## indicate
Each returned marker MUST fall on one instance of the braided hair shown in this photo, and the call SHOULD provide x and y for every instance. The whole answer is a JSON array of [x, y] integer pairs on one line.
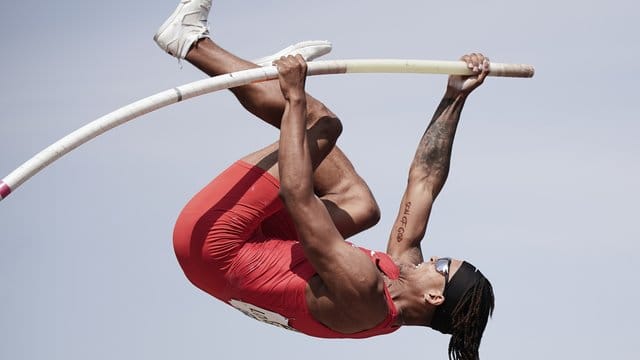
[[469, 319], [469, 302]]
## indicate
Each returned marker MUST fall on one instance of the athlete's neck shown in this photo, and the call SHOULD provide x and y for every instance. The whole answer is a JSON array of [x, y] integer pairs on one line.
[[409, 300]]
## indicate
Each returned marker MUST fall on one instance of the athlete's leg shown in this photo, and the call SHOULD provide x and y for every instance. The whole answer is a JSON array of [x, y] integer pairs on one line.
[[345, 193]]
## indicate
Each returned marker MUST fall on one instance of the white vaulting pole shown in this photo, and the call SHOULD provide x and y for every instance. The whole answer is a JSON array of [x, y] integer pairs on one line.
[[61, 147]]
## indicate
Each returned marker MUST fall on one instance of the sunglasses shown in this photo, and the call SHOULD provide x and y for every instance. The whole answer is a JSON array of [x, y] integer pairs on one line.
[[442, 266]]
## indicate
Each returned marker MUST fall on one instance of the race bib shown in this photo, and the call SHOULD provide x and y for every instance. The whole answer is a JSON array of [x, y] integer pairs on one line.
[[261, 314]]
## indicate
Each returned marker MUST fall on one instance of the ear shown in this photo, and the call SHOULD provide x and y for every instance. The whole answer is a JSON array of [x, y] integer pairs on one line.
[[434, 298]]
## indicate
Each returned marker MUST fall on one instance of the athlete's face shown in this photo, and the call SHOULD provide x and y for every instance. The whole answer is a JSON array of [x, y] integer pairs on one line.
[[436, 272]]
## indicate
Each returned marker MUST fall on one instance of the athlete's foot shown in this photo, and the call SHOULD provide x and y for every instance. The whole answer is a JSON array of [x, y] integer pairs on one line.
[[308, 49], [184, 27]]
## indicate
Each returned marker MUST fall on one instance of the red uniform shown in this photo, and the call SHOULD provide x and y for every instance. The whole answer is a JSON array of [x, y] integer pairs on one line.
[[236, 241]]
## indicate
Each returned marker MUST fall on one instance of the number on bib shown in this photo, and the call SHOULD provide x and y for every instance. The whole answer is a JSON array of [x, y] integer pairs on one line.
[[261, 314]]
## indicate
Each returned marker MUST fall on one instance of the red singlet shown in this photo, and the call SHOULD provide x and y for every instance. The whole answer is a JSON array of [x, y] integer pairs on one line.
[[236, 241]]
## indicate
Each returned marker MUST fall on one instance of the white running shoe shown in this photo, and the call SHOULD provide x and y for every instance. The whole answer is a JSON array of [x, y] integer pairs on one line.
[[186, 25], [308, 49]]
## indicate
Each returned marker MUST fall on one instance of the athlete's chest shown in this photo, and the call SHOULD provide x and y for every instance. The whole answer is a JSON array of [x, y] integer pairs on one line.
[[346, 318]]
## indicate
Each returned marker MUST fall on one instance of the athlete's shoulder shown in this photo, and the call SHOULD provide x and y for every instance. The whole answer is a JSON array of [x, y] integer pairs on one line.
[[384, 262]]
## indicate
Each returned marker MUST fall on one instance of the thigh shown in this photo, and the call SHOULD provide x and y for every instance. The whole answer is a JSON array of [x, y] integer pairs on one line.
[[345, 194], [219, 220], [265, 159]]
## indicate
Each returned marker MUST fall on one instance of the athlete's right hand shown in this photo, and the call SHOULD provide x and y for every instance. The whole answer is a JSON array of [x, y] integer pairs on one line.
[[479, 65], [292, 74]]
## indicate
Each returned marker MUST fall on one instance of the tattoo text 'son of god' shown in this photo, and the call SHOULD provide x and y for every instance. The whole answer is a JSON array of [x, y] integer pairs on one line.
[[403, 222]]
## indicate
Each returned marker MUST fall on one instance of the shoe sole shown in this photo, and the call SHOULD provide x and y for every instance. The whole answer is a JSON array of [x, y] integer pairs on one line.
[[323, 46]]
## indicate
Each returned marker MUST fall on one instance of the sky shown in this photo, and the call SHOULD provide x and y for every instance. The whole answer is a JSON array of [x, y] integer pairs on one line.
[[542, 195]]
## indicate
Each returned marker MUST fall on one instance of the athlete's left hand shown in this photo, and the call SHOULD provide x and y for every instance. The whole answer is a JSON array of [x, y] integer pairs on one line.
[[292, 74]]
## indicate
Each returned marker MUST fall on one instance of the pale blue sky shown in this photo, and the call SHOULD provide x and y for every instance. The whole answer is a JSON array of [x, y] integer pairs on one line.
[[542, 194]]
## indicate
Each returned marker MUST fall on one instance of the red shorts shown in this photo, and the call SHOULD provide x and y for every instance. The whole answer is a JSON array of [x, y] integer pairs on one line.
[[236, 233]]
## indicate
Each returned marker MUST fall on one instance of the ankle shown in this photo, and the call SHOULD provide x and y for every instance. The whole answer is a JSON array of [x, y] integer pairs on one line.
[[198, 48]]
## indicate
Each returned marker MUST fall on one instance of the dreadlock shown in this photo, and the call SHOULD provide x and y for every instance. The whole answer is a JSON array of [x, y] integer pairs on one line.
[[469, 319]]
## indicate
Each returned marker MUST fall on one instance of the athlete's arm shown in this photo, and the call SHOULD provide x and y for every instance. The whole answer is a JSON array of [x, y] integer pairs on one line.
[[430, 166], [347, 273]]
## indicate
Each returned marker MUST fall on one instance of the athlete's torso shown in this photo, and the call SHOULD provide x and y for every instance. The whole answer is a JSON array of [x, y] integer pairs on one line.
[[364, 314], [270, 281]]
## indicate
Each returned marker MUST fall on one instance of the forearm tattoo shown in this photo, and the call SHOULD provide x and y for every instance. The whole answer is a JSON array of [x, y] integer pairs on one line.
[[403, 222], [434, 151]]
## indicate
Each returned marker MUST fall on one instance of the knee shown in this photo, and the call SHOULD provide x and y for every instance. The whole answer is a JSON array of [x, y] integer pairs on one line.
[[328, 127], [317, 110], [318, 115]]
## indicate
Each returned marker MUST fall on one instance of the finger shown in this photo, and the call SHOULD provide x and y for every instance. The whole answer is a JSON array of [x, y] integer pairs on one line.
[[282, 64], [486, 66], [467, 59], [279, 61], [285, 59], [298, 60], [302, 63], [293, 62], [483, 68], [480, 58], [475, 61]]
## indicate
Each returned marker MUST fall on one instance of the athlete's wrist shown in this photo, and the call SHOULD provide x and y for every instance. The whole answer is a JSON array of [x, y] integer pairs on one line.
[[455, 94], [297, 99]]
